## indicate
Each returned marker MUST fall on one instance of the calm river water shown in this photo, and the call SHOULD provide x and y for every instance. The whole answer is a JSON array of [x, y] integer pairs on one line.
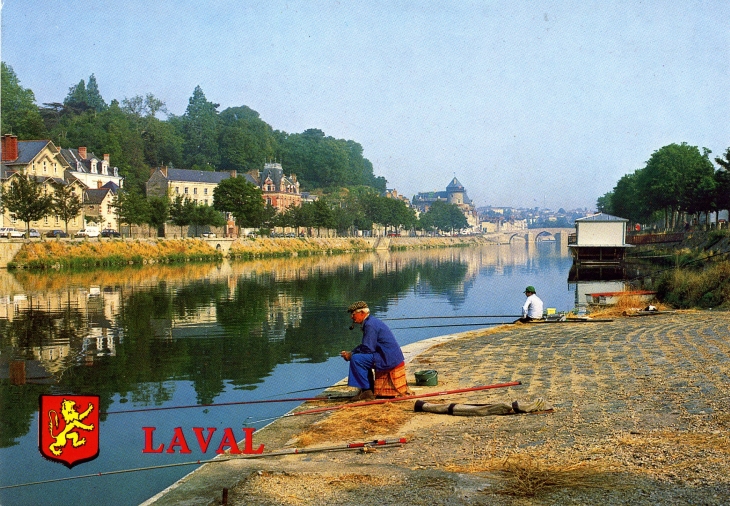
[[161, 336]]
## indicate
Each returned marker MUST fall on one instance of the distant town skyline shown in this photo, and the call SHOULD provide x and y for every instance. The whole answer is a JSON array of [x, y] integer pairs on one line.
[[549, 103]]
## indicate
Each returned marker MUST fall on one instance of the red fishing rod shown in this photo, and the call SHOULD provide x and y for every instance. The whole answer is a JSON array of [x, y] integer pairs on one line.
[[406, 398]]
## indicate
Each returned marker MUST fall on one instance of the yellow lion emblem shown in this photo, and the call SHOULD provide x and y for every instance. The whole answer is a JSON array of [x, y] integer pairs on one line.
[[73, 421]]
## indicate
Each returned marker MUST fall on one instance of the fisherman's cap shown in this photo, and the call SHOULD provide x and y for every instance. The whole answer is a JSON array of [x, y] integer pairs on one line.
[[356, 306], [530, 289]]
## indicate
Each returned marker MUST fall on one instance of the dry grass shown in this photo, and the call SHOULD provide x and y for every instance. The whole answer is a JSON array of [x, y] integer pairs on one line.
[[356, 424], [625, 305], [522, 475]]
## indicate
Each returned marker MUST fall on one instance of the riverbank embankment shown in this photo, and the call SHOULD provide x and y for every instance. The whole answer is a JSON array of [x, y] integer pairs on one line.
[[102, 252], [640, 417]]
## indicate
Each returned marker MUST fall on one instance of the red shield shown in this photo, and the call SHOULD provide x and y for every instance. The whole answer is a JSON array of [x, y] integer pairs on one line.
[[68, 428]]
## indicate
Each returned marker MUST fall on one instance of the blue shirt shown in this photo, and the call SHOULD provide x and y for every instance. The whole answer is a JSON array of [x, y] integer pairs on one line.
[[378, 339]]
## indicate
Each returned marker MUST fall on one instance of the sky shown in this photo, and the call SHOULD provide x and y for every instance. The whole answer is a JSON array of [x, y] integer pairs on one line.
[[526, 103]]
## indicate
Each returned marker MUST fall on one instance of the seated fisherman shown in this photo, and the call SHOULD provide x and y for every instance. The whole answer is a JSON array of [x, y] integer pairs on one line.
[[379, 350], [532, 309]]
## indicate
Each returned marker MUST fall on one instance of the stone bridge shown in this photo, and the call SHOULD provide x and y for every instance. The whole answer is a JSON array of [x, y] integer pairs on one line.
[[532, 235], [222, 244]]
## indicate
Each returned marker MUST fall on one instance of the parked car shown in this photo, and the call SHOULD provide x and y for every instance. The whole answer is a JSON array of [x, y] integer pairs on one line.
[[88, 232], [10, 232], [110, 232], [393, 234], [33, 233], [251, 235], [56, 232], [208, 234]]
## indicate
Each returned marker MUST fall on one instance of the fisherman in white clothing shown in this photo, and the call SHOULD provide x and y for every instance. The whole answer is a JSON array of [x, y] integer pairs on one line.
[[532, 309]]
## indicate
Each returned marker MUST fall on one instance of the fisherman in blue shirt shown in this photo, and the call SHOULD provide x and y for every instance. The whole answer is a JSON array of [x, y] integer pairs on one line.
[[379, 350]]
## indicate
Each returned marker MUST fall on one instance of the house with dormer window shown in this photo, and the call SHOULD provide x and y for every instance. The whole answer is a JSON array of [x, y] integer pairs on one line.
[[279, 190], [89, 169]]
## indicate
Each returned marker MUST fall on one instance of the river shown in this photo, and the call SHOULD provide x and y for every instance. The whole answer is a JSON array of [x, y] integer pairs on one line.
[[169, 336]]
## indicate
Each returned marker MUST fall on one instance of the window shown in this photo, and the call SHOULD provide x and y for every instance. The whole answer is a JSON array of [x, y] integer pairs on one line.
[[205, 192], [186, 190], [45, 220], [45, 169], [195, 191], [57, 220], [177, 190]]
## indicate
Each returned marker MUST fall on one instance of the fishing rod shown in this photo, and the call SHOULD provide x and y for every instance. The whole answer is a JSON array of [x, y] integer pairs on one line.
[[290, 451], [259, 401], [453, 316], [451, 325], [405, 398]]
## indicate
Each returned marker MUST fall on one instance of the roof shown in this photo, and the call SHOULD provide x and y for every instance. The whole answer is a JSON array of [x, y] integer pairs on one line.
[[96, 196], [27, 150], [601, 217], [455, 185], [196, 176]]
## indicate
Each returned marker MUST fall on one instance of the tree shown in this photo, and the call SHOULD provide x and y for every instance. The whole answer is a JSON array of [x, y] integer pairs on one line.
[[159, 211], [65, 203], [240, 198], [26, 199], [181, 212], [603, 204], [20, 114], [445, 216], [204, 215], [93, 97], [672, 178], [132, 207], [200, 132]]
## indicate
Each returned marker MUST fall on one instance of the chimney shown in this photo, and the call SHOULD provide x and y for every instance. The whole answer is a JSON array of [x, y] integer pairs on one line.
[[82, 152], [106, 157], [234, 174], [9, 148], [98, 185], [163, 169]]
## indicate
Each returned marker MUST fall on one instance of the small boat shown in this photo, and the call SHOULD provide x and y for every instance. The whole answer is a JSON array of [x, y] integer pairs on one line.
[[611, 298]]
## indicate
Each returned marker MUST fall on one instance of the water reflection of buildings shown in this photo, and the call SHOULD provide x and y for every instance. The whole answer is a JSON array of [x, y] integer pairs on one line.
[[59, 350]]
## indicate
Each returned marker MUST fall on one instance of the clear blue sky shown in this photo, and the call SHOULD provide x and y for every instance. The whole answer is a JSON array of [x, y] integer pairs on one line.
[[526, 103]]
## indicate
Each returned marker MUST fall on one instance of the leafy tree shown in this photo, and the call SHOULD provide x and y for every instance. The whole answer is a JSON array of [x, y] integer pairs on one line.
[[132, 207], [240, 198], [722, 189], [603, 204], [20, 115], [159, 211], [672, 178], [93, 97], [65, 203], [323, 217], [200, 132], [26, 199], [626, 200], [204, 215], [181, 212], [446, 216], [246, 141]]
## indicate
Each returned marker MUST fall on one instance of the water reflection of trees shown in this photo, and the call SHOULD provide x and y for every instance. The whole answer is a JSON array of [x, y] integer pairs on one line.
[[213, 326]]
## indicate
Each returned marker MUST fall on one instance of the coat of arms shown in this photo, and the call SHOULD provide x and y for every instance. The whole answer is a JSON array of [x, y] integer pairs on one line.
[[68, 428]]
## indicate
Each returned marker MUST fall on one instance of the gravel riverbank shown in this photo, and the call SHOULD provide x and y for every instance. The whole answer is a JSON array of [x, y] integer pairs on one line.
[[640, 417]]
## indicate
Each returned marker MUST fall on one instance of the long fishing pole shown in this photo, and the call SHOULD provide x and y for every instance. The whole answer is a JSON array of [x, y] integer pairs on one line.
[[451, 325], [259, 401], [289, 451], [452, 316], [405, 398]]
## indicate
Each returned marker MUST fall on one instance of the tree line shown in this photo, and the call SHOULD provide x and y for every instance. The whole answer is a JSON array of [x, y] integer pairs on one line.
[[202, 138], [350, 196], [677, 184]]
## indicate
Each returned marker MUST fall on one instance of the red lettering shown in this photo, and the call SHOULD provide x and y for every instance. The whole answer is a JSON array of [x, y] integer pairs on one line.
[[203, 442], [178, 439], [228, 440], [148, 441], [248, 448]]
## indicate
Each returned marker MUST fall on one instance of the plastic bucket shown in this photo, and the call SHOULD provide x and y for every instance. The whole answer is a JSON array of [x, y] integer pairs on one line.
[[427, 378]]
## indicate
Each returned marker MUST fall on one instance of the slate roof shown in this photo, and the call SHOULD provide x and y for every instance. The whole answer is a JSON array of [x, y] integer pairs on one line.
[[455, 185], [96, 196], [27, 150], [601, 217], [196, 176]]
